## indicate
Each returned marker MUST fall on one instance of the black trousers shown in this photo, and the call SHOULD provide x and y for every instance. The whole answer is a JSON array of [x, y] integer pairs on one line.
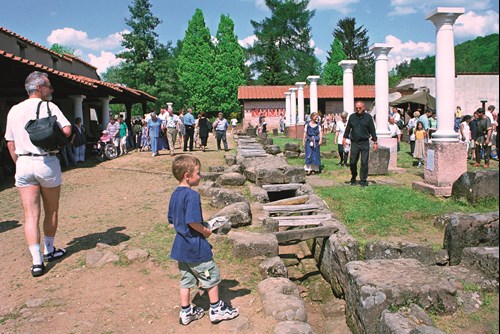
[[360, 149], [189, 136]]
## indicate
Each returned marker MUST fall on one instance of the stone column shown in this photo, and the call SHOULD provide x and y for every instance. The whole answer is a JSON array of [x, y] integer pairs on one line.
[[293, 105], [348, 84], [444, 18], [446, 158], [105, 111], [301, 105], [288, 112], [169, 105], [313, 92], [78, 106], [381, 87]]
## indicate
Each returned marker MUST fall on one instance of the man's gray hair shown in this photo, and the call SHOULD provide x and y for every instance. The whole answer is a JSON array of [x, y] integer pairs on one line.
[[34, 80], [345, 114]]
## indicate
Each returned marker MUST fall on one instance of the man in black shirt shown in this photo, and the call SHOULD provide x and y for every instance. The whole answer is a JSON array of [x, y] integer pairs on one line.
[[359, 128]]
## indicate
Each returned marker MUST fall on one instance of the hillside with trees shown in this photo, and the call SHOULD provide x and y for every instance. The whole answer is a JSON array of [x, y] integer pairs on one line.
[[479, 55]]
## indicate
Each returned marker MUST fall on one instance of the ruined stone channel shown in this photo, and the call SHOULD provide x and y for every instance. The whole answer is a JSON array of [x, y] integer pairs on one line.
[[314, 279]]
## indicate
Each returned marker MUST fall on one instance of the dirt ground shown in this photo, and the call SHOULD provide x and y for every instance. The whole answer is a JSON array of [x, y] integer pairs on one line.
[[121, 203]]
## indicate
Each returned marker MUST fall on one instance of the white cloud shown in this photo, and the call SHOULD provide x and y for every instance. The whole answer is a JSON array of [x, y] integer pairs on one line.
[[472, 25], [404, 7], [317, 51], [342, 6], [248, 41], [103, 61], [261, 4], [407, 50], [80, 39]]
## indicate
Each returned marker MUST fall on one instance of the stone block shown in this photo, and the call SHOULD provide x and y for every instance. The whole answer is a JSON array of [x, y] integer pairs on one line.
[[206, 189], [292, 154], [136, 254], [376, 285], [231, 179], [476, 185], [260, 194], [380, 250], [273, 267], [332, 256], [210, 176], [408, 320], [234, 169], [270, 224], [445, 163], [230, 159], [268, 141], [249, 245], [470, 230], [273, 149], [379, 161], [293, 327], [281, 300], [484, 259], [221, 197], [238, 214], [216, 169], [292, 147], [392, 145]]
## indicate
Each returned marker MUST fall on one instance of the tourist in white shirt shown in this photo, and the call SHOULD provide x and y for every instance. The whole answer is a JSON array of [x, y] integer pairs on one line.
[[394, 130], [339, 135]]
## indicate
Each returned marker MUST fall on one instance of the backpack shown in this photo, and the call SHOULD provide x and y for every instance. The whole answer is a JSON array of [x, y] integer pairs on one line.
[[45, 132]]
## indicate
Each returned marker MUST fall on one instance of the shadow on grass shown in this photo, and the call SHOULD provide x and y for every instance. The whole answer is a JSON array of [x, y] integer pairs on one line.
[[9, 225], [226, 293]]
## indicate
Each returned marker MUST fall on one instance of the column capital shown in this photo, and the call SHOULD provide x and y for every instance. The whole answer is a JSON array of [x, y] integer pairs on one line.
[[381, 50], [444, 15], [313, 78], [105, 98], [288, 94], [293, 90], [300, 85], [77, 97], [347, 64]]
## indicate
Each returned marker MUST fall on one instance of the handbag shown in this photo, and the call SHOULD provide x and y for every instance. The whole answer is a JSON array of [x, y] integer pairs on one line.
[[45, 132]]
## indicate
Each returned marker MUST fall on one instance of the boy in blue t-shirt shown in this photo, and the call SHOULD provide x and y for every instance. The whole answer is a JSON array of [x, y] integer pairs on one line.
[[191, 248]]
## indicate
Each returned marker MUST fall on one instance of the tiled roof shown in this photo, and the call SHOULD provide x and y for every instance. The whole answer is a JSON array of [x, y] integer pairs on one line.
[[278, 92], [24, 39], [83, 80]]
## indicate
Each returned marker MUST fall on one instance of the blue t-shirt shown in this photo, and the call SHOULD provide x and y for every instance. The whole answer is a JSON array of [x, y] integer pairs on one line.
[[189, 245]]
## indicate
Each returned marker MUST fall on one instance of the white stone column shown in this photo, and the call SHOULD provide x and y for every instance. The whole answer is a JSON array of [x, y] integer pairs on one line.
[[169, 105], [313, 92], [444, 18], [301, 105], [348, 84], [382, 87], [78, 106], [293, 105], [288, 112], [105, 111]]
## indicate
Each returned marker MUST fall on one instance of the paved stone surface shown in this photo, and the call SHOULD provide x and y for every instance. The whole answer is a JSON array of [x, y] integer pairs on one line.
[[376, 285]]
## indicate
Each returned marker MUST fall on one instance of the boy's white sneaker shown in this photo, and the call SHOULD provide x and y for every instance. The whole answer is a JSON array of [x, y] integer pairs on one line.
[[223, 312], [194, 313]]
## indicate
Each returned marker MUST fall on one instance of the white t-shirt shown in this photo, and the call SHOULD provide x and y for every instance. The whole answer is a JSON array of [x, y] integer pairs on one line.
[[394, 129], [234, 121], [20, 114], [340, 129]]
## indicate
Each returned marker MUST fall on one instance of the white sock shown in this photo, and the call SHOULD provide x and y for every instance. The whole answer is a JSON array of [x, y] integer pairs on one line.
[[49, 244], [35, 254]]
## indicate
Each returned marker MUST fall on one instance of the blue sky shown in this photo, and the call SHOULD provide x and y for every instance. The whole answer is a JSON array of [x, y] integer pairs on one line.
[[94, 27]]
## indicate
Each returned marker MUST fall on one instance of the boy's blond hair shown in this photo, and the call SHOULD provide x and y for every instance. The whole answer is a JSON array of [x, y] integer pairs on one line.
[[183, 164]]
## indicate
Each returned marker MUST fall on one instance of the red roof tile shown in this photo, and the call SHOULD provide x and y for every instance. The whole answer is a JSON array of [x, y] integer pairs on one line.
[[278, 92]]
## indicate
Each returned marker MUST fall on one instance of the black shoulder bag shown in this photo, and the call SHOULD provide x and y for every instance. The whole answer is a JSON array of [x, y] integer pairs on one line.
[[45, 132]]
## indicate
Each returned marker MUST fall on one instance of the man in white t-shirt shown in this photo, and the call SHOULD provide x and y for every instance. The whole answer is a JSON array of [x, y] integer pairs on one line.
[[234, 122], [38, 172], [339, 136], [394, 130]]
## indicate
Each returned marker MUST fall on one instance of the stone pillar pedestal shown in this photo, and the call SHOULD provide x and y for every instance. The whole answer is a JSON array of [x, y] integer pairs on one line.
[[296, 131], [444, 164], [392, 145]]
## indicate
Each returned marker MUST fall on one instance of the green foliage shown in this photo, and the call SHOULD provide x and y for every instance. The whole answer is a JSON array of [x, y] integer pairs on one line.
[[332, 72], [287, 29], [479, 55], [195, 65], [62, 49], [354, 41], [229, 68], [273, 70]]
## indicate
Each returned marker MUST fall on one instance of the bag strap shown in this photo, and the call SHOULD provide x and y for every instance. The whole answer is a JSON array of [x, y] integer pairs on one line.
[[38, 109]]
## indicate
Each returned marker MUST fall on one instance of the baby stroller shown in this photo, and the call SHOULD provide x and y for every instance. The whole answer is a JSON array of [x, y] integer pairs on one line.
[[105, 147]]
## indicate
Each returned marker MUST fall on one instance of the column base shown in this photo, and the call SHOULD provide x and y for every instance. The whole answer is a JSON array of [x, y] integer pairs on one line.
[[444, 164], [445, 137], [296, 131], [392, 145]]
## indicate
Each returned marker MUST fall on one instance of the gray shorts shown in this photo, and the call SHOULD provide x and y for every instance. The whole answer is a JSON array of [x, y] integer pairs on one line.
[[206, 273], [38, 171]]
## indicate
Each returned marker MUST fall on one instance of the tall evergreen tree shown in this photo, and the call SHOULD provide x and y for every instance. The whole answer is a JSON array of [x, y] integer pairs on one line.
[[289, 27], [354, 41], [229, 67], [332, 72], [273, 73], [195, 65]]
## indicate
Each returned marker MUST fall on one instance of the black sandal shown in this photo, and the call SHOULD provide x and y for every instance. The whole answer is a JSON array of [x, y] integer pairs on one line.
[[56, 254], [37, 270]]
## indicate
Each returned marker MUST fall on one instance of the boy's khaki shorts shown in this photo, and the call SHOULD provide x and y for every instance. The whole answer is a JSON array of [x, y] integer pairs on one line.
[[206, 273]]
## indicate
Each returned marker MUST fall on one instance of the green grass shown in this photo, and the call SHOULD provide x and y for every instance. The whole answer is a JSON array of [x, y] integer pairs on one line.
[[385, 210], [158, 242]]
